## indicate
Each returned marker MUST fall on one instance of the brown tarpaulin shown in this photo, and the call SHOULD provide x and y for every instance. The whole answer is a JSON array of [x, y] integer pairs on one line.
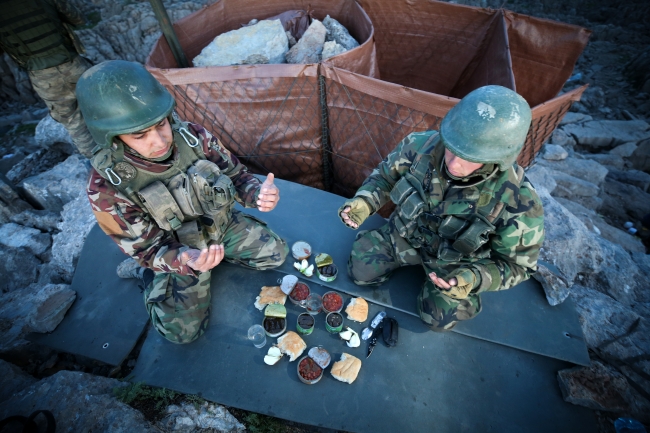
[[328, 125]]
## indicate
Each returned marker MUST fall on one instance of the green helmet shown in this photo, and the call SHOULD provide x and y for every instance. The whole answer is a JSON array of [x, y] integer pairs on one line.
[[120, 97], [489, 125]]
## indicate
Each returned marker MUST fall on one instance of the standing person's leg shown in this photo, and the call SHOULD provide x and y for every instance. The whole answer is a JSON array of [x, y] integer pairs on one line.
[[377, 253], [178, 305], [250, 243], [56, 86], [440, 312]]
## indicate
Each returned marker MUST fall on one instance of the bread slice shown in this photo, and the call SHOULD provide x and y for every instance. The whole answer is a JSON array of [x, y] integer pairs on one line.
[[347, 369], [291, 344], [357, 310], [270, 295]]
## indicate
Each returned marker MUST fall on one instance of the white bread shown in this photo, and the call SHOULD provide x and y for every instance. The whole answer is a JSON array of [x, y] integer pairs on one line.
[[357, 310], [291, 344], [347, 369], [270, 295]]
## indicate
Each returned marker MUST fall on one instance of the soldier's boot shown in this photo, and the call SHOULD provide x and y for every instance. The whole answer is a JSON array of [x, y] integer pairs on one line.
[[129, 268]]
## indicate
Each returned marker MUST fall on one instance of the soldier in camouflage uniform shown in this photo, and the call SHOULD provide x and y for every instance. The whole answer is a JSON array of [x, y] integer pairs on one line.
[[164, 191], [38, 37], [465, 211]]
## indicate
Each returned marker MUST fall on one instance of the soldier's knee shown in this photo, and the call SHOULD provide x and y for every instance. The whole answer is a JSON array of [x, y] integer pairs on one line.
[[363, 274]]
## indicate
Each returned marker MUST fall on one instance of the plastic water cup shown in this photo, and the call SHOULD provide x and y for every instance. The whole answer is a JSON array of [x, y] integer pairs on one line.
[[257, 335], [313, 304]]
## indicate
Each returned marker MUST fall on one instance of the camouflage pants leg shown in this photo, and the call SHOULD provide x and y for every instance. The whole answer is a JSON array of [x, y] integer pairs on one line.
[[56, 86], [178, 305], [249, 242], [440, 312], [377, 253]]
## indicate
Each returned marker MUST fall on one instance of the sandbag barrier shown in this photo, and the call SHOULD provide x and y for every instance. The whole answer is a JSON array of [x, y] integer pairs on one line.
[[328, 125]]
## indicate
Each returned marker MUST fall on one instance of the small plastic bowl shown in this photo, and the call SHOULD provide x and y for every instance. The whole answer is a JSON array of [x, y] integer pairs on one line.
[[301, 250], [328, 294], [307, 381], [284, 328], [301, 302]]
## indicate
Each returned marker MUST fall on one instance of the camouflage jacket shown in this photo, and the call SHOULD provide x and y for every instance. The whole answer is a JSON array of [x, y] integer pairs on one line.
[[510, 255], [136, 232]]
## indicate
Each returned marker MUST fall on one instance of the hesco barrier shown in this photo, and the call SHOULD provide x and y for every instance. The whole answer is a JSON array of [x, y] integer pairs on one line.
[[327, 125]]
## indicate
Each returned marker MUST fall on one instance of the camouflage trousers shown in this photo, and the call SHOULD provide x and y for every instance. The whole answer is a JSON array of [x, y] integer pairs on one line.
[[56, 86], [179, 305], [377, 253]]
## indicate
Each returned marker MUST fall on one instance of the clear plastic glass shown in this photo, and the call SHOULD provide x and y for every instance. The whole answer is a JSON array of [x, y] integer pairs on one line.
[[257, 335], [313, 304]]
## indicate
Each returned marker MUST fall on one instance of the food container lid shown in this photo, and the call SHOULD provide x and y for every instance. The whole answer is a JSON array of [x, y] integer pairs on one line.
[[275, 310], [301, 250], [320, 356], [288, 283], [323, 259]]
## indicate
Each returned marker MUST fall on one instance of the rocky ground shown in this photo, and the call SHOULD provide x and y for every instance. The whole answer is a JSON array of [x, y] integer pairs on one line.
[[593, 177]]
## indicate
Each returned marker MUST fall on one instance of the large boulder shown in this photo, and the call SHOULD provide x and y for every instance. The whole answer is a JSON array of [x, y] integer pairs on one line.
[[571, 117], [624, 150], [43, 220], [38, 162], [623, 202], [640, 179], [541, 177], [189, 417], [80, 402], [10, 202], [49, 131], [77, 220], [607, 160], [18, 267], [12, 380], [606, 134], [336, 32], [641, 156], [16, 236], [585, 169], [264, 42], [310, 46], [571, 186], [554, 152], [59, 185]]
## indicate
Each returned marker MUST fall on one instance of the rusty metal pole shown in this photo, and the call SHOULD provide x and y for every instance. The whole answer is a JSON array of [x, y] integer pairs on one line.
[[168, 31]]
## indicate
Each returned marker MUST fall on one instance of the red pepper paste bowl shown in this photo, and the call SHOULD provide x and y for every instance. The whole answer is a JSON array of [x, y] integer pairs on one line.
[[299, 293], [332, 302]]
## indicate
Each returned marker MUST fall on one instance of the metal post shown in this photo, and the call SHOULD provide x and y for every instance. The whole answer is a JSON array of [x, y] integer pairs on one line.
[[168, 31]]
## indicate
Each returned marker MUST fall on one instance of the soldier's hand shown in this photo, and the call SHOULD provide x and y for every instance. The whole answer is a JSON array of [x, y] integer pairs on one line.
[[203, 260], [354, 212], [269, 195], [459, 284]]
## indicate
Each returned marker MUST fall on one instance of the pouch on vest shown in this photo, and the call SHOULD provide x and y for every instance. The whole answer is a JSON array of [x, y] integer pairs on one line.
[[405, 230], [214, 190], [191, 234], [216, 227], [447, 253], [474, 237], [161, 205], [180, 188], [401, 190], [451, 226]]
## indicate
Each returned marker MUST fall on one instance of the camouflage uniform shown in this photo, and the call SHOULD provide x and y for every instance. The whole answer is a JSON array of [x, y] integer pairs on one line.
[[508, 258], [177, 298], [36, 34]]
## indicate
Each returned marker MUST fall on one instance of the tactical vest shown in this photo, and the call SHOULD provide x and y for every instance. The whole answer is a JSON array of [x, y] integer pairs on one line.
[[33, 35], [449, 230], [192, 198]]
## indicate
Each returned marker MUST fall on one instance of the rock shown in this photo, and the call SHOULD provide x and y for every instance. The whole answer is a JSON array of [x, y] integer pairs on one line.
[[187, 417], [607, 159], [584, 169], [36, 163], [568, 245], [19, 311], [331, 49], [10, 120], [16, 236], [43, 220], [600, 387], [12, 380], [624, 150], [640, 179], [50, 313], [554, 152], [555, 286], [540, 176], [266, 39], [570, 186], [98, 49], [641, 156], [336, 32], [596, 224], [49, 131], [77, 220], [21, 83], [18, 267], [623, 202], [560, 138], [292, 40], [59, 185], [10, 203], [310, 46], [571, 117], [606, 134], [80, 402]]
